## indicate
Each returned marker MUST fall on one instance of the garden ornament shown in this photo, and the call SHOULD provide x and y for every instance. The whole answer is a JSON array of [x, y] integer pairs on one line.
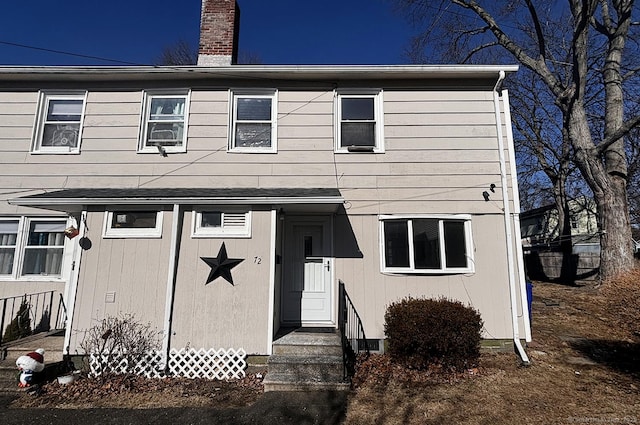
[[29, 364]]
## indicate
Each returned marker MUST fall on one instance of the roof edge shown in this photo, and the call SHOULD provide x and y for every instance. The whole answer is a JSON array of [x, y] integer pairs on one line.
[[295, 72]]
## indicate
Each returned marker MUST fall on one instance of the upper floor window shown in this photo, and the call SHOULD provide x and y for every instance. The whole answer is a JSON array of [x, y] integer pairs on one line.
[[59, 124], [253, 126], [164, 125], [222, 222], [32, 247], [359, 126], [133, 224], [426, 244]]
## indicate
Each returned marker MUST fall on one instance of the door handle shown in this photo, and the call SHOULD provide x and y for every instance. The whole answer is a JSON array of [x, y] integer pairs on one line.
[[328, 266]]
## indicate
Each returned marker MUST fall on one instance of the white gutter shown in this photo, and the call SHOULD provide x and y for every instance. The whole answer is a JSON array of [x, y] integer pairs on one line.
[[507, 224], [274, 72], [171, 278], [73, 284], [516, 218]]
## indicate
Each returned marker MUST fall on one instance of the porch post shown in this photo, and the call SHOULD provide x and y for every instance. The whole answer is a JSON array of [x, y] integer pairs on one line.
[[272, 280], [171, 280]]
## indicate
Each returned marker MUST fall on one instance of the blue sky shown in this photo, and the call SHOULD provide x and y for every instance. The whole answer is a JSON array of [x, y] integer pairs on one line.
[[278, 31]]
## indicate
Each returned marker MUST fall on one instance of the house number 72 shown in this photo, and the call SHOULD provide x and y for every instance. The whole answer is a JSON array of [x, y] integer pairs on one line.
[[257, 260]]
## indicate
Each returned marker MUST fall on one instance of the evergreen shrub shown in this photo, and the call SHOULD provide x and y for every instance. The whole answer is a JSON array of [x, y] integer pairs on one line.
[[424, 332]]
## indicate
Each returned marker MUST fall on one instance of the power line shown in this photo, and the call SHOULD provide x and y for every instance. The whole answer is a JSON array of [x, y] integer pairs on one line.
[[62, 52]]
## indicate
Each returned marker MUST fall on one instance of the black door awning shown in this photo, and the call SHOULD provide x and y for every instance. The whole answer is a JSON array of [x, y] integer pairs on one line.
[[75, 200]]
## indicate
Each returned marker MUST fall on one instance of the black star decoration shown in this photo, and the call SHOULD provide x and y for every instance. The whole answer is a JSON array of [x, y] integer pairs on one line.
[[221, 265]]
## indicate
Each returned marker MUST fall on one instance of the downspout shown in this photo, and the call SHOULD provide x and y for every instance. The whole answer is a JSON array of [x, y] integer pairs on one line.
[[516, 218], [73, 284], [507, 225], [171, 280]]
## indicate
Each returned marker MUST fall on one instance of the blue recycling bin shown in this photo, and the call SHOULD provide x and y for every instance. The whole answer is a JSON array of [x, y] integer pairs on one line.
[[529, 298]]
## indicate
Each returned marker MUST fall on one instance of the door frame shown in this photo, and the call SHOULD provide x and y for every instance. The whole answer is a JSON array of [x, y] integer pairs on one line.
[[327, 221]]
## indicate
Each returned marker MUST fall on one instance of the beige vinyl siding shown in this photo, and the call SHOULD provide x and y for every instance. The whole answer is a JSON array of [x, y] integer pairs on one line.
[[221, 315], [17, 288], [428, 134], [135, 269], [371, 291], [440, 155]]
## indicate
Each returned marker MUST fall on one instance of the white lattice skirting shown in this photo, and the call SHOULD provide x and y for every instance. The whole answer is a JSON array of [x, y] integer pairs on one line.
[[185, 363]]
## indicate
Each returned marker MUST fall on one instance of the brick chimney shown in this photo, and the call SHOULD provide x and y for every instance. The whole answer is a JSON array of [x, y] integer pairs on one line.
[[219, 22]]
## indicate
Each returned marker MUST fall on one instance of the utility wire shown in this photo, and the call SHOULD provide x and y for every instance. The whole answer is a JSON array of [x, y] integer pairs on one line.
[[61, 52]]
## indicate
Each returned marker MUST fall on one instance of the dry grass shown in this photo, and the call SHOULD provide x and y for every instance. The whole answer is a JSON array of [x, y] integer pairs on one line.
[[585, 369], [623, 296]]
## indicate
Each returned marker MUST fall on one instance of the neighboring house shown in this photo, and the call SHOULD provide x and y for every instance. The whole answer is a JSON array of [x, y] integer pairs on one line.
[[540, 231], [310, 175], [543, 243]]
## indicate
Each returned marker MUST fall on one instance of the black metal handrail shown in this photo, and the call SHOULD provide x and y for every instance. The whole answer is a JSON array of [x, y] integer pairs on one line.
[[28, 314], [352, 332], [61, 320]]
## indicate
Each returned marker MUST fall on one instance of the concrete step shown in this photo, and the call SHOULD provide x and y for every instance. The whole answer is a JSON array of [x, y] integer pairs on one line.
[[311, 368], [9, 383], [306, 359], [277, 382], [52, 344], [308, 344]]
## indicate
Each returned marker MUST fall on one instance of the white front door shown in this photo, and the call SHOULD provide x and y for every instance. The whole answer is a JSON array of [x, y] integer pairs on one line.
[[307, 285]]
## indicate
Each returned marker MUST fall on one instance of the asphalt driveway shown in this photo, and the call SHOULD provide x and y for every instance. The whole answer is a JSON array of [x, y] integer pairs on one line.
[[299, 408]]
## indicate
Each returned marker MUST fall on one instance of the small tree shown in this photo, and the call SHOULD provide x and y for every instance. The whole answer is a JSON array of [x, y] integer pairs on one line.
[[20, 326]]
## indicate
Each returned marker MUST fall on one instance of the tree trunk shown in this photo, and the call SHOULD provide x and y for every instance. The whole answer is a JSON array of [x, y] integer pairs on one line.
[[616, 249], [610, 194]]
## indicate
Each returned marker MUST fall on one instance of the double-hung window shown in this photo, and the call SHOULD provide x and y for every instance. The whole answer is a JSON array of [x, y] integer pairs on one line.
[[164, 126], [44, 248], [8, 246], [426, 244], [253, 122], [221, 222], [32, 247], [359, 125], [59, 125]]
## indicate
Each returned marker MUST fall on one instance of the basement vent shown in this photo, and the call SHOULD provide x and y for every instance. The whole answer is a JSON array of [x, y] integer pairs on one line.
[[374, 344]]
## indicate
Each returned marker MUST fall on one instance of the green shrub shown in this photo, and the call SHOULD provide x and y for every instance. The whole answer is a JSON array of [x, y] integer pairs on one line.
[[20, 325], [422, 332]]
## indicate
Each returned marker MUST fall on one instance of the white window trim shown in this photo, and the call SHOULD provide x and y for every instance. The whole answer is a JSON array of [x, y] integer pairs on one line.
[[378, 102], [197, 231], [266, 94], [21, 244], [147, 96], [443, 270], [17, 253], [109, 232], [38, 128]]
